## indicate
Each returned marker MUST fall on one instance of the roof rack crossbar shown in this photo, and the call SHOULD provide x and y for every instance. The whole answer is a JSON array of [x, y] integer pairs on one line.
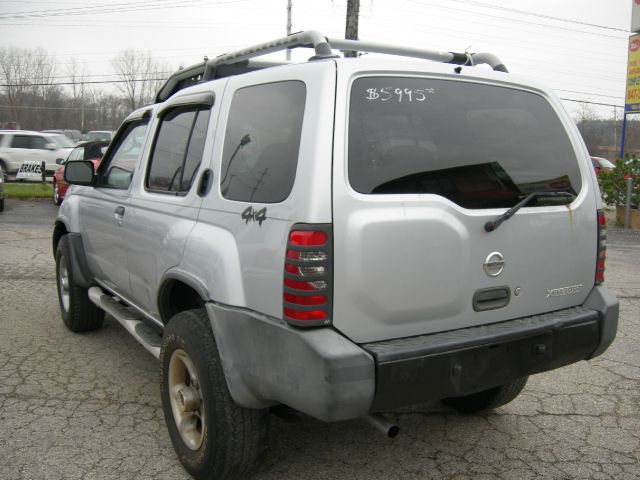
[[323, 47], [302, 39], [434, 55], [371, 47]]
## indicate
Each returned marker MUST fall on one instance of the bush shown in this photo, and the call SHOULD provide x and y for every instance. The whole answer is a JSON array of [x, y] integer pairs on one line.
[[613, 184]]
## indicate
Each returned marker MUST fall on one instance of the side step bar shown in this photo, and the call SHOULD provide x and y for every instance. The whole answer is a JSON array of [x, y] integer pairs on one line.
[[144, 334]]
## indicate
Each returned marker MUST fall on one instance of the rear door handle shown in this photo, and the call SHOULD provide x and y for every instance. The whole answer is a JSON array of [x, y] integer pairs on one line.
[[205, 182]]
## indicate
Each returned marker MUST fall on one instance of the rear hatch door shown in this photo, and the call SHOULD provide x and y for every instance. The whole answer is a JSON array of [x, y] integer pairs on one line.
[[421, 164]]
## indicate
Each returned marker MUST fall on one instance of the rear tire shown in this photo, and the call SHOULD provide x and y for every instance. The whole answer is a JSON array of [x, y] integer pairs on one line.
[[1, 204], [78, 313], [487, 399], [213, 437]]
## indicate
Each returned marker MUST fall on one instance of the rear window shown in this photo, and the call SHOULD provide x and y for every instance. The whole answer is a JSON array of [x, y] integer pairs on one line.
[[480, 146], [62, 141]]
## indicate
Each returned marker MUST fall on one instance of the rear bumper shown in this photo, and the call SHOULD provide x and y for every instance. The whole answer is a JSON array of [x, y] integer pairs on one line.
[[321, 373], [459, 362]]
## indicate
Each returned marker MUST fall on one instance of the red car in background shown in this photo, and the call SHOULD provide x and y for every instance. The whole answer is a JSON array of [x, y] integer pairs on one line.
[[83, 151], [602, 164]]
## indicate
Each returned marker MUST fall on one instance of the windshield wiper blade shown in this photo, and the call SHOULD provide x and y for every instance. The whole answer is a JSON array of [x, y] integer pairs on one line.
[[490, 226]]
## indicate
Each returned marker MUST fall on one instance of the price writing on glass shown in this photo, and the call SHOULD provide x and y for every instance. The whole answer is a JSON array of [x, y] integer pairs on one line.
[[399, 95]]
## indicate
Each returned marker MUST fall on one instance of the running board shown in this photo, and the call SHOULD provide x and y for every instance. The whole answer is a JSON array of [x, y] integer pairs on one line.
[[144, 334]]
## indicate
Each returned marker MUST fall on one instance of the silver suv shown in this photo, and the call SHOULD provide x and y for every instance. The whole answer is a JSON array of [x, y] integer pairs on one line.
[[343, 236]]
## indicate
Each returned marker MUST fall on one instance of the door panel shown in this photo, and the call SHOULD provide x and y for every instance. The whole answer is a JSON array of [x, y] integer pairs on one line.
[[105, 213]]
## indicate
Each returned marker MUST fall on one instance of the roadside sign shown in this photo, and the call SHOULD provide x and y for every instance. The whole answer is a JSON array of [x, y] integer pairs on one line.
[[30, 169], [635, 16], [632, 99]]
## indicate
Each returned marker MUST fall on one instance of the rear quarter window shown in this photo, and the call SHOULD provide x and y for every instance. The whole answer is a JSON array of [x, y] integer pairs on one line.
[[478, 145], [262, 142]]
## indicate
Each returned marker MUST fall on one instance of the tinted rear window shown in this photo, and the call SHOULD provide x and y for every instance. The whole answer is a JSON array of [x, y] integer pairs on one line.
[[261, 145], [480, 146]]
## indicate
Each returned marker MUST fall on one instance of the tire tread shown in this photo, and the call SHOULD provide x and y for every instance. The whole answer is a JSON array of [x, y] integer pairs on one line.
[[239, 435], [83, 315]]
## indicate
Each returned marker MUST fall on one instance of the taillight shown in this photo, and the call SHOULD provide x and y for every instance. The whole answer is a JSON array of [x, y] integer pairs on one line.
[[602, 247], [308, 276]]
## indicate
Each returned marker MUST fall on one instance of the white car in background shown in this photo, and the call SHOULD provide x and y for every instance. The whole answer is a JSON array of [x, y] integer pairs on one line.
[[17, 146]]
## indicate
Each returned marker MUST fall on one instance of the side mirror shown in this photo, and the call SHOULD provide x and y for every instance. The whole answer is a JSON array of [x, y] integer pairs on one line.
[[59, 161], [81, 172], [51, 146]]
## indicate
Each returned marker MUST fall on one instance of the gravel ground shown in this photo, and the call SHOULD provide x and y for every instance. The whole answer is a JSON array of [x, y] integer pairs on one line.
[[88, 406]]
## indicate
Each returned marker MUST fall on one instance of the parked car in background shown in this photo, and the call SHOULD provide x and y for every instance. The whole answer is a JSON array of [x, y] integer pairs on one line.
[[73, 135], [98, 135], [17, 146], [84, 151], [1, 190], [602, 164]]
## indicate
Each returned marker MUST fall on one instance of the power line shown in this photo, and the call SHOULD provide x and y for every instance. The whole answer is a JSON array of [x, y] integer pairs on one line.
[[93, 82], [111, 8], [72, 10], [540, 15], [512, 19], [78, 82], [592, 103], [590, 94], [569, 52], [28, 107], [162, 79]]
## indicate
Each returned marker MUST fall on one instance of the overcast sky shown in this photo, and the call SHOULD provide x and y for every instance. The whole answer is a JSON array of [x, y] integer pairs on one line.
[[578, 47]]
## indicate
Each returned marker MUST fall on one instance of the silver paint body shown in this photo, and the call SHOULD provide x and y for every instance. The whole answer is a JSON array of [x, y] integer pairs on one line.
[[404, 265]]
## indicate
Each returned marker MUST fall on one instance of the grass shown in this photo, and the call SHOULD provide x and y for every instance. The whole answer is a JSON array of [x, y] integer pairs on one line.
[[24, 191]]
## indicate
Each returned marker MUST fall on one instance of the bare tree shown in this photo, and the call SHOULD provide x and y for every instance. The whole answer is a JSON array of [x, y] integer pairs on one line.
[[108, 111], [77, 74], [140, 76], [27, 76], [15, 74], [588, 124], [45, 92]]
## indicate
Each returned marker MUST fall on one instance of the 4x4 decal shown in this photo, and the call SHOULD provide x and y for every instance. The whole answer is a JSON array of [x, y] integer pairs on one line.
[[250, 214]]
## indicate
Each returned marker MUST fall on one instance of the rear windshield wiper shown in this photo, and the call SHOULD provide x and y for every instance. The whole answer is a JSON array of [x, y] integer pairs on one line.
[[490, 226]]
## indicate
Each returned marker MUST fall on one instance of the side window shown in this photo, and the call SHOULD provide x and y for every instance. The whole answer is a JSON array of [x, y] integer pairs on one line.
[[76, 154], [262, 141], [178, 149], [195, 150], [20, 141], [39, 143], [118, 169]]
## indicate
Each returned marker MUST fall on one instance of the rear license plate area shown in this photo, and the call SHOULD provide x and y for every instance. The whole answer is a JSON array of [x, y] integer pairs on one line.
[[488, 366]]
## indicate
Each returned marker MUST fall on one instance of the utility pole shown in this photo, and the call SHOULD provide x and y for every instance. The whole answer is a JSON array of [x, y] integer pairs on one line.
[[615, 125], [82, 107], [289, 26], [351, 30]]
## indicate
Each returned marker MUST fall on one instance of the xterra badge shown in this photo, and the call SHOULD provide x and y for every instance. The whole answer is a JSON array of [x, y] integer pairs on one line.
[[559, 292]]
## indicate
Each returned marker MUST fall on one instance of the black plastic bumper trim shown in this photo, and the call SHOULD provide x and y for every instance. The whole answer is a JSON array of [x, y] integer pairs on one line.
[[459, 362]]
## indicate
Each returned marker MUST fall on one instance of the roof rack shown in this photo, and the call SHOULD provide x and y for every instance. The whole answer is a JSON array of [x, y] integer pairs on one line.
[[240, 61]]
